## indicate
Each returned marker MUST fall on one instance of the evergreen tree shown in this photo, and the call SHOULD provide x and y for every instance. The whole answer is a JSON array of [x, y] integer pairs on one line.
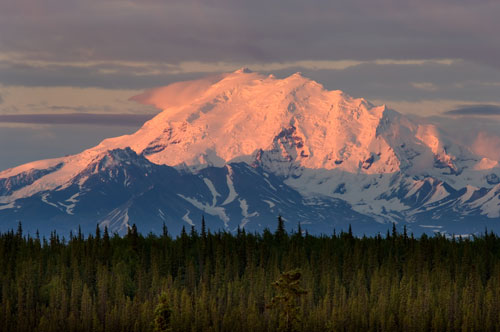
[[203, 227], [164, 230], [19, 232], [222, 282], [162, 315], [280, 233], [97, 233], [286, 300]]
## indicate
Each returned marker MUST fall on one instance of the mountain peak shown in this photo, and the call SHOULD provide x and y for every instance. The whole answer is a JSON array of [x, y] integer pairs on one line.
[[297, 74], [292, 123], [243, 70], [234, 118], [246, 144]]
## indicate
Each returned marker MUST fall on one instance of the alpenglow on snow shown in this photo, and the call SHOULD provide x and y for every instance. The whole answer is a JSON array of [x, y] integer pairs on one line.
[[242, 148]]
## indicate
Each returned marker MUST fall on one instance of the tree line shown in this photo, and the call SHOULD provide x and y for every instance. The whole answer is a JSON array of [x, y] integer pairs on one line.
[[219, 281]]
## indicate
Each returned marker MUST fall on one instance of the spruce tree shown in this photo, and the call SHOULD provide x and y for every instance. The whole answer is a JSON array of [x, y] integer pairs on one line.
[[203, 227], [288, 292], [162, 315], [164, 230], [280, 233]]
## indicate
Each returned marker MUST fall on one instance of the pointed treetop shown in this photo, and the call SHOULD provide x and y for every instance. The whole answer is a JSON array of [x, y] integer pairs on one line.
[[280, 230], [203, 227], [19, 229], [164, 230], [97, 232]]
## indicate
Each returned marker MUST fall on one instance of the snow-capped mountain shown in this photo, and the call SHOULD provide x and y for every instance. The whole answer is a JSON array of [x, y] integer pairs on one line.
[[242, 148]]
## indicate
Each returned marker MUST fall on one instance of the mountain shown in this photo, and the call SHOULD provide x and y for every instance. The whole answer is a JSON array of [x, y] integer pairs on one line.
[[242, 148]]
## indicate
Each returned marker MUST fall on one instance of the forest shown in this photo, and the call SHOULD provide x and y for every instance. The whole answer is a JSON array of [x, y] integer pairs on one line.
[[270, 281]]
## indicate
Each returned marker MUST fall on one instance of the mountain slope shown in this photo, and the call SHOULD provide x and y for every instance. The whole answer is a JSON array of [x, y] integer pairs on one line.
[[242, 148]]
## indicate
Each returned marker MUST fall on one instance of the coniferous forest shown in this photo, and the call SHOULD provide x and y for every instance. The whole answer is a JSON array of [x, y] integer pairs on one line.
[[273, 281]]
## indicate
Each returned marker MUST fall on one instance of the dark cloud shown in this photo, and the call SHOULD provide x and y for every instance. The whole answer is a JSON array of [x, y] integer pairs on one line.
[[110, 39], [481, 110], [117, 76], [44, 107], [251, 31], [78, 118], [79, 109], [459, 80]]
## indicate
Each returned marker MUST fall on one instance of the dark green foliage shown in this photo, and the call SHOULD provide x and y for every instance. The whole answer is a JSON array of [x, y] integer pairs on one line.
[[286, 300], [280, 230], [162, 315], [224, 282]]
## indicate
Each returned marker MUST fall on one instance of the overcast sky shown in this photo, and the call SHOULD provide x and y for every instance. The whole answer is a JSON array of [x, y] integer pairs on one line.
[[436, 58]]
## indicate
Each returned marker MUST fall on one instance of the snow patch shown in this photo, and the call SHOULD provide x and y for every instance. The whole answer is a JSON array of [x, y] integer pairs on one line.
[[46, 201], [232, 192], [72, 200], [161, 214], [489, 203], [212, 189], [124, 224], [416, 186], [438, 195], [117, 220], [270, 185], [212, 210], [245, 214], [10, 205], [468, 193], [187, 219], [271, 204]]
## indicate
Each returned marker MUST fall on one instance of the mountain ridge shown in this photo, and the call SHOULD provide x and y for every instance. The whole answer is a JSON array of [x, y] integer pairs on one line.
[[322, 145]]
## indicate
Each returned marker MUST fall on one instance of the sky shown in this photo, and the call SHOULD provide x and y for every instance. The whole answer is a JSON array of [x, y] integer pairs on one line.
[[69, 68]]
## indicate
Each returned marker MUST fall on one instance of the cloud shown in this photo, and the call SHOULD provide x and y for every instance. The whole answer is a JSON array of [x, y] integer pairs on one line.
[[481, 110], [1, 99], [59, 100], [381, 79], [487, 145], [77, 109], [78, 118], [175, 94], [108, 75], [256, 31], [479, 134]]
